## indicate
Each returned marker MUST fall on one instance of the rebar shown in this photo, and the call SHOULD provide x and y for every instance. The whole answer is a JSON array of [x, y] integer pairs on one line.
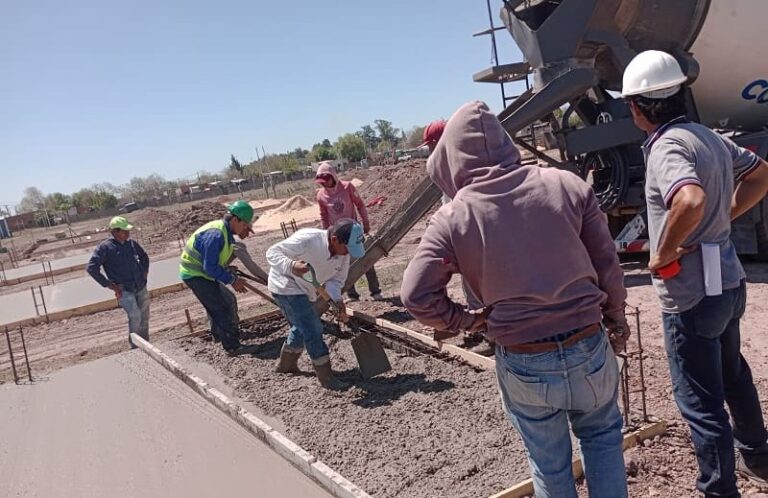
[[10, 354], [26, 356], [189, 321], [641, 354]]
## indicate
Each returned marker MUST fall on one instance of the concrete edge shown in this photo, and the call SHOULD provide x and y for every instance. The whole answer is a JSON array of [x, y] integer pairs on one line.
[[309, 465]]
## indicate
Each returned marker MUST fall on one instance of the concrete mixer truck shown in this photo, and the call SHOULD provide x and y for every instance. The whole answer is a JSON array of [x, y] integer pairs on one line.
[[575, 52]]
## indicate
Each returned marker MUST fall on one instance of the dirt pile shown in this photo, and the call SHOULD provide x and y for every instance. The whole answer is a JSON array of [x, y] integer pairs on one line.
[[295, 203], [167, 226], [395, 183]]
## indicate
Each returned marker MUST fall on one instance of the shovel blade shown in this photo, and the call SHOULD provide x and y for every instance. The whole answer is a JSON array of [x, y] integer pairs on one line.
[[370, 355]]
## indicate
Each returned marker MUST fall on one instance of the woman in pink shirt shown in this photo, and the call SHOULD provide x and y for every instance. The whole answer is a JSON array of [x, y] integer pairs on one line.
[[339, 199]]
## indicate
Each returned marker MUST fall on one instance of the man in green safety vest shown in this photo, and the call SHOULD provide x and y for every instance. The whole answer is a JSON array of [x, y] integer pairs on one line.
[[204, 269]]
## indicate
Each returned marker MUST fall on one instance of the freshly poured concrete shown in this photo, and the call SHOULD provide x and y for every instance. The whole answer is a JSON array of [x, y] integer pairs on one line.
[[78, 293], [37, 268], [125, 427]]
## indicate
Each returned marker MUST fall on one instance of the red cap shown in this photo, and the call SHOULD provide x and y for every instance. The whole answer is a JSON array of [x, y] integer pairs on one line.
[[433, 132]]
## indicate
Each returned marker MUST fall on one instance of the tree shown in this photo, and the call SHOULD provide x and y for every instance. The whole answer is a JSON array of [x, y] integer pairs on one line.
[[351, 147], [415, 137], [235, 165], [58, 202], [33, 200], [368, 134], [387, 132], [143, 188], [322, 152], [300, 153]]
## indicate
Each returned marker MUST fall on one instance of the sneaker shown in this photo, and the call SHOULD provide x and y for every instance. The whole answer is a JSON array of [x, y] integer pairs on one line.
[[484, 349], [352, 299], [377, 296], [753, 467]]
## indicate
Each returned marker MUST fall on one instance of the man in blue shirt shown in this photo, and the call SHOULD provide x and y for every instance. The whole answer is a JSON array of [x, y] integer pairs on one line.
[[204, 269], [127, 266]]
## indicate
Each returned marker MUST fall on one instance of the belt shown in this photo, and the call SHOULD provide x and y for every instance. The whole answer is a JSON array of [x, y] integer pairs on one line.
[[546, 347]]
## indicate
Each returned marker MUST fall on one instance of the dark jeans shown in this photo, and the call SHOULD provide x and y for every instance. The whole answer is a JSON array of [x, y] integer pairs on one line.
[[708, 371], [221, 312], [373, 284]]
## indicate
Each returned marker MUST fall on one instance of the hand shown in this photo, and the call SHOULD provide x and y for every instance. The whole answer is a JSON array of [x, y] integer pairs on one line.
[[618, 332], [662, 259], [116, 288], [299, 268], [239, 285]]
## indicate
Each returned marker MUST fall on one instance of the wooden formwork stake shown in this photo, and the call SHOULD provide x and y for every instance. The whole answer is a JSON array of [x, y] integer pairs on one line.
[[189, 321], [632, 439]]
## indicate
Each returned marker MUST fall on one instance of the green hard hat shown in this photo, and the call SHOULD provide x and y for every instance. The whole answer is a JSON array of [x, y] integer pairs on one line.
[[242, 210], [118, 222]]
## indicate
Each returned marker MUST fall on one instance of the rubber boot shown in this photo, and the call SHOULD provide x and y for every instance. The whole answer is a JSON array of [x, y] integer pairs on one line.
[[289, 361], [326, 377]]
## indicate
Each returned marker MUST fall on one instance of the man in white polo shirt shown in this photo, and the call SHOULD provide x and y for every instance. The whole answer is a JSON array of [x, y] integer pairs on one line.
[[328, 253]]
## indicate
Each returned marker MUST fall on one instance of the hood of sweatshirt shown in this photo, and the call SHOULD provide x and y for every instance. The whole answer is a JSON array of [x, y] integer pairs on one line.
[[474, 148], [327, 168]]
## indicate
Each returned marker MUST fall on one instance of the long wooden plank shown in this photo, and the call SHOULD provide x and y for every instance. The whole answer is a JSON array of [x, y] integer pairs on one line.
[[632, 439], [473, 359]]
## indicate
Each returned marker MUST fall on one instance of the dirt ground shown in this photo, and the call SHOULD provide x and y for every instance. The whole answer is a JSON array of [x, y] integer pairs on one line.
[[423, 403]]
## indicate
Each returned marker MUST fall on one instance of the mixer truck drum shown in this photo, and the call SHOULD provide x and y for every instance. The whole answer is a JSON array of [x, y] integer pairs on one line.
[[610, 176]]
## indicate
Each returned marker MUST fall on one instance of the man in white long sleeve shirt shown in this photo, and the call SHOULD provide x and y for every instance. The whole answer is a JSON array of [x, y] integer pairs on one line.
[[328, 252]]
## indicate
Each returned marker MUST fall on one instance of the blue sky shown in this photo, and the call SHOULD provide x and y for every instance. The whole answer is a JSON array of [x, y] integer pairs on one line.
[[95, 91]]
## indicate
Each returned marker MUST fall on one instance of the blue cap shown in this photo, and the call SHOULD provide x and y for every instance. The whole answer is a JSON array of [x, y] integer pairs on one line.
[[356, 239]]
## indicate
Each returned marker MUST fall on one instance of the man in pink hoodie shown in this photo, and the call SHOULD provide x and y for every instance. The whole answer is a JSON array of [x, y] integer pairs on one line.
[[533, 246], [339, 199]]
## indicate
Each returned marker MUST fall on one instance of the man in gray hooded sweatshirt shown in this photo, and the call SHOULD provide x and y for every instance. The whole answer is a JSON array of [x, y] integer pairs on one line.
[[532, 244]]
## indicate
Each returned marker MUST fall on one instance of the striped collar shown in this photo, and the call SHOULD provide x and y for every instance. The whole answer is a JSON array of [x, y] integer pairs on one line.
[[653, 137]]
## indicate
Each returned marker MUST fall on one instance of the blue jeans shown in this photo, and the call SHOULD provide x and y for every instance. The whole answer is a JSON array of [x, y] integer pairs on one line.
[[707, 369], [216, 299], [542, 392], [306, 327], [136, 306]]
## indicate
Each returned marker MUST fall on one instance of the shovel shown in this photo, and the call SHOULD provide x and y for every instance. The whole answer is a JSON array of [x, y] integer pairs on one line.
[[370, 354]]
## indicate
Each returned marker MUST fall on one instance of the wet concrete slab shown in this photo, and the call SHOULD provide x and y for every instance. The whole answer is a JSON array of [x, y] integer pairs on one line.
[[35, 269], [79, 293], [124, 427]]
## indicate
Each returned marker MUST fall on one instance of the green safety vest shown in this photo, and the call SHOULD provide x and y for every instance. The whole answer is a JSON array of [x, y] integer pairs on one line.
[[191, 260]]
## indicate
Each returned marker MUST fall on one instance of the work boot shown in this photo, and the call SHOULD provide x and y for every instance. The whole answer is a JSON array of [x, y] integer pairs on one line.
[[327, 379], [754, 467], [242, 349], [289, 361]]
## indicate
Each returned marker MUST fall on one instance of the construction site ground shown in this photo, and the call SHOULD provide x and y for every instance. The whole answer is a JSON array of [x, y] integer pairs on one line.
[[430, 427]]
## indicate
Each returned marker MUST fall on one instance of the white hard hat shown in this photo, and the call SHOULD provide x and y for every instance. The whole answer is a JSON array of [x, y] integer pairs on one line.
[[653, 74]]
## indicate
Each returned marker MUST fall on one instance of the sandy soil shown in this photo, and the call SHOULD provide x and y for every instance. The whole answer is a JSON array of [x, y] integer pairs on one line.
[[125, 427]]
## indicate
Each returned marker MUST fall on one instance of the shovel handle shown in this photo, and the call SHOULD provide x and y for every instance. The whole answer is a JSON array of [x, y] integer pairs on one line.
[[260, 293]]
